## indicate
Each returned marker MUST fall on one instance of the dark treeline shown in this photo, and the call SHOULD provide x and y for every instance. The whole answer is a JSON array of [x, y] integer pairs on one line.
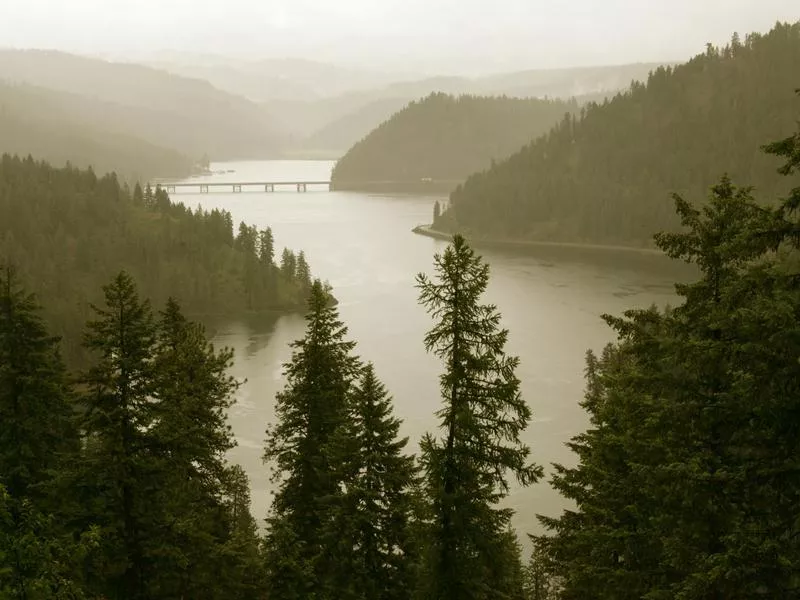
[[114, 484], [68, 231], [600, 176], [445, 138]]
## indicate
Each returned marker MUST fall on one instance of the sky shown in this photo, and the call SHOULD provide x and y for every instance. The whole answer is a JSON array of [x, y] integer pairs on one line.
[[436, 36]]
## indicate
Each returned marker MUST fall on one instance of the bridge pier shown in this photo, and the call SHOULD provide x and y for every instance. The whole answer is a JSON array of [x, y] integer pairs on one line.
[[203, 189], [269, 187], [170, 189], [237, 188], [301, 187]]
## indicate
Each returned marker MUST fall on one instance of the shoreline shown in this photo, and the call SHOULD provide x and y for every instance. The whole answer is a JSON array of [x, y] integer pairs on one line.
[[428, 231]]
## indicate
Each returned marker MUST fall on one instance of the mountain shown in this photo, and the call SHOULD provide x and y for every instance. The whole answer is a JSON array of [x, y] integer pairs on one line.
[[606, 175], [339, 135], [273, 79], [444, 138], [335, 123], [61, 127], [189, 116]]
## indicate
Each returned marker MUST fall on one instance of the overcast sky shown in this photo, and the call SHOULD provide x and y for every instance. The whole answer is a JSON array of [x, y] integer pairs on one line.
[[434, 35]]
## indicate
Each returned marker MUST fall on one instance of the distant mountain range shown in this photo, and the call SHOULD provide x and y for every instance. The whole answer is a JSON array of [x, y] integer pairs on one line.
[[181, 108]]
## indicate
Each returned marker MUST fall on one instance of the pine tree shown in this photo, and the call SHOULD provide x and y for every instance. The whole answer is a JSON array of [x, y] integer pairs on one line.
[[684, 482], [37, 433], [482, 418], [309, 410], [303, 271], [437, 211], [288, 265], [370, 534], [193, 393], [117, 471], [37, 439], [266, 247]]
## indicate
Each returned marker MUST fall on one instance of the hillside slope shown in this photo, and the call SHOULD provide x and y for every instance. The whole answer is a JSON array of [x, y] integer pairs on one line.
[[45, 124], [607, 177], [183, 114], [69, 231], [444, 138]]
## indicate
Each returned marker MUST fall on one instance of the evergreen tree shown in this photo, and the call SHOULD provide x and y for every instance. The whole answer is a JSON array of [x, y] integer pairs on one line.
[[288, 265], [38, 433], [303, 271], [118, 469], [37, 438], [686, 486], [309, 410], [193, 393], [482, 418], [437, 211], [370, 534], [266, 247]]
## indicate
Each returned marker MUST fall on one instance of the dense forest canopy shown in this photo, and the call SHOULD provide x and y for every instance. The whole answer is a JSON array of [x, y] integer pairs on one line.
[[60, 127], [446, 138], [67, 230], [605, 176], [189, 116]]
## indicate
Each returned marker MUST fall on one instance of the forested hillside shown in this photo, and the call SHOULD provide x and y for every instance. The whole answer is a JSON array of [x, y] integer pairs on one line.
[[605, 176], [68, 230], [60, 127], [187, 115], [444, 138]]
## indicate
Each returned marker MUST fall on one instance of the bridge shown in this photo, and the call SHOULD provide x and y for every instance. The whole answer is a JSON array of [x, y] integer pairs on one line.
[[425, 185], [205, 187]]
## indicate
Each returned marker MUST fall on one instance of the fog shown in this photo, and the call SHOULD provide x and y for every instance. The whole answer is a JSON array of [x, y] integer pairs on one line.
[[453, 36]]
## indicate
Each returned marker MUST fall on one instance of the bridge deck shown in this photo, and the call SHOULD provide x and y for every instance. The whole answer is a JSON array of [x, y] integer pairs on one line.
[[240, 183]]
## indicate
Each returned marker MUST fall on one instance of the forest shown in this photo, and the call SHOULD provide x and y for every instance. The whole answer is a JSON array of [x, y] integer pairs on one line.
[[67, 231], [115, 484], [436, 142], [604, 175]]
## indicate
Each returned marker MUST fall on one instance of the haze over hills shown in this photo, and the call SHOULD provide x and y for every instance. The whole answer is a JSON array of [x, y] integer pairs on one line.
[[61, 127], [336, 123], [189, 116], [444, 138], [606, 177]]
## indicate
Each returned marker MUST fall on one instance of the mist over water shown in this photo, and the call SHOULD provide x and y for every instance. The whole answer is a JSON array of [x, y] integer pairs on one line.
[[551, 301]]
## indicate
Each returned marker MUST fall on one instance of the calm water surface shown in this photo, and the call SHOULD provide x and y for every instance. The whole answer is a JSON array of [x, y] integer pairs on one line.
[[363, 245]]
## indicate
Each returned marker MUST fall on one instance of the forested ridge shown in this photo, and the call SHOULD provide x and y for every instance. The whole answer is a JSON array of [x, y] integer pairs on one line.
[[187, 116], [114, 482], [445, 138], [68, 230], [59, 127], [604, 176]]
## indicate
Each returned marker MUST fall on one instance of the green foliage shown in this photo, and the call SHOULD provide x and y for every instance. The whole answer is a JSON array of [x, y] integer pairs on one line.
[[482, 418], [445, 138], [37, 433], [309, 411], [686, 485], [68, 231], [601, 177], [35, 562], [369, 534]]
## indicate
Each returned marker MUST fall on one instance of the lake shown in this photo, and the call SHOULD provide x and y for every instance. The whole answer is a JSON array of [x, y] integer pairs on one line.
[[551, 301]]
